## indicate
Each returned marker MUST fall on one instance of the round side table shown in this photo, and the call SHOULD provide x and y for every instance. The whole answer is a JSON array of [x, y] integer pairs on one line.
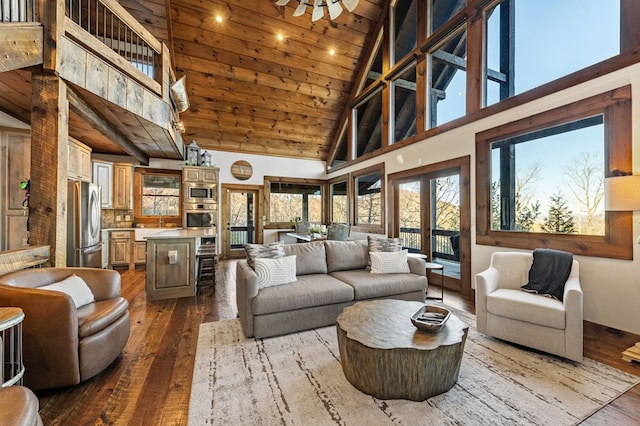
[[11, 346], [436, 266]]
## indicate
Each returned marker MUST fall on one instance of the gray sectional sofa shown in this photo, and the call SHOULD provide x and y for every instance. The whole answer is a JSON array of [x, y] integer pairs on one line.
[[330, 276]]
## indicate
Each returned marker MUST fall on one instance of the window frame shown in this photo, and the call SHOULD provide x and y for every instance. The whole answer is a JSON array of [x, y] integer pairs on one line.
[[339, 179], [268, 180], [153, 220], [617, 243]]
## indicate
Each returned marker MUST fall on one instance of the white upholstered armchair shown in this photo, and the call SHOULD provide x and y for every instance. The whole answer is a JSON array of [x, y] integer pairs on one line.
[[505, 311]]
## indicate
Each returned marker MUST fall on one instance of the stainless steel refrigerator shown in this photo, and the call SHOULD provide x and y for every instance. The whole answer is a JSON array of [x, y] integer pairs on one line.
[[84, 247]]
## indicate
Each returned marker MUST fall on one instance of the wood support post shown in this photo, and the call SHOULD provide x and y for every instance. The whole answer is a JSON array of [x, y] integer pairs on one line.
[[49, 161]]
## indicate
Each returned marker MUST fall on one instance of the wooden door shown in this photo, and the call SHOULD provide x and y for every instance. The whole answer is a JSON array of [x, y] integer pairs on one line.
[[242, 219]]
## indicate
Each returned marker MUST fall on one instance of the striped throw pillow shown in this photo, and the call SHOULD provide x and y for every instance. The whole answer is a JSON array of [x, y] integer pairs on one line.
[[389, 262], [382, 245], [269, 251], [278, 271]]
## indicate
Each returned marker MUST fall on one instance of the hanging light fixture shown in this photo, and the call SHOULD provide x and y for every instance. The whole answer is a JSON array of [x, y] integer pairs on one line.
[[333, 6]]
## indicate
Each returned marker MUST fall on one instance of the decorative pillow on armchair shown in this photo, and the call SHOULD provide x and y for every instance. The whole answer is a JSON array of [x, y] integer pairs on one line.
[[382, 245], [263, 251], [75, 287]]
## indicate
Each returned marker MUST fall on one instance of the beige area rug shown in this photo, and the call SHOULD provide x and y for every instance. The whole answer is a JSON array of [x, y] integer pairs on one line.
[[297, 379]]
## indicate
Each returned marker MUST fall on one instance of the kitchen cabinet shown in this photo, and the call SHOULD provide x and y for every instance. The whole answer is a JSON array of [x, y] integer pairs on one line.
[[122, 186], [79, 166], [171, 264], [200, 174], [140, 252], [120, 248], [103, 176]]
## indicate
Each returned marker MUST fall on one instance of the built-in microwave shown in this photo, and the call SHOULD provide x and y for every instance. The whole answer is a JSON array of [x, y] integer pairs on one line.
[[200, 193], [198, 216]]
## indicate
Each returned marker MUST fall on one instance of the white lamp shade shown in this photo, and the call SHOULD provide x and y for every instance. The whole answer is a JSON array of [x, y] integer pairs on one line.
[[622, 193]]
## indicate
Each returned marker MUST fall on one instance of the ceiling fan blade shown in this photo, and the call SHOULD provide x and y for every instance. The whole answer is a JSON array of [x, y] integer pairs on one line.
[[302, 7], [350, 4], [282, 2], [334, 8], [318, 11]]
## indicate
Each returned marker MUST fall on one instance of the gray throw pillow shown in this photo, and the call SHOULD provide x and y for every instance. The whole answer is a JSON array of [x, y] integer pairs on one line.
[[268, 251], [382, 245]]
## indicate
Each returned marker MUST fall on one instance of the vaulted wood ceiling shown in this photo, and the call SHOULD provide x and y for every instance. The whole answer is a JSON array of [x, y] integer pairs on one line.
[[250, 92]]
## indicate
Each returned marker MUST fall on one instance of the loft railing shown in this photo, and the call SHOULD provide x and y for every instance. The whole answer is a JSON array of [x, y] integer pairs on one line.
[[240, 235], [103, 22], [441, 242], [18, 10]]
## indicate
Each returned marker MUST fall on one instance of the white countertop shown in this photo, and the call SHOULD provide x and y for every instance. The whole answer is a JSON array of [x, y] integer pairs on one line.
[[182, 233]]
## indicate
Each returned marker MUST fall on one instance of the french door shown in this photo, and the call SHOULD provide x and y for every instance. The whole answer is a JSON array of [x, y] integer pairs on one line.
[[431, 214]]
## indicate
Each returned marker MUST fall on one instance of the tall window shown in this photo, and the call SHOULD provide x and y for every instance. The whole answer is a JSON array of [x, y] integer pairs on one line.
[[540, 179], [441, 11], [529, 43], [339, 202], [404, 104], [289, 200], [447, 79], [368, 118], [369, 198], [404, 18]]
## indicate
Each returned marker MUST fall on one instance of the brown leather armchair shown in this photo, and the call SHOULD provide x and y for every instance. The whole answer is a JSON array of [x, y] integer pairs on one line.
[[19, 407], [62, 345]]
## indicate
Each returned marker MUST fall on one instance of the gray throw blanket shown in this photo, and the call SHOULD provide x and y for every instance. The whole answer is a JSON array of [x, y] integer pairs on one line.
[[549, 272]]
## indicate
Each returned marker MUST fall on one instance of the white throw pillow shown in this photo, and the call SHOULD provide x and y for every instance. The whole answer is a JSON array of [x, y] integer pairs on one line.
[[281, 270], [392, 262], [75, 287]]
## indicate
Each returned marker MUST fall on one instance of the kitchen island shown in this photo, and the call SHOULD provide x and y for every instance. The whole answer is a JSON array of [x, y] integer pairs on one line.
[[171, 263]]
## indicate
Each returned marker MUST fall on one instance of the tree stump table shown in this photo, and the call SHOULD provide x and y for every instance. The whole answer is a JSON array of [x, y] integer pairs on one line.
[[384, 355]]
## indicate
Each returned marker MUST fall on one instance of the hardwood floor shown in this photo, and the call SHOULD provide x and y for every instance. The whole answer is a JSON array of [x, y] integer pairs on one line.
[[150, 383]]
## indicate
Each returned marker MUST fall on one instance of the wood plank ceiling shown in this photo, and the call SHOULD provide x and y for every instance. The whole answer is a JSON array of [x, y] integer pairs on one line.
[[251, 92]]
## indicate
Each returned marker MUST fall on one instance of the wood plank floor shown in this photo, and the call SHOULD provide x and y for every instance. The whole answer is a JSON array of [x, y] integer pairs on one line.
[[150, 383]]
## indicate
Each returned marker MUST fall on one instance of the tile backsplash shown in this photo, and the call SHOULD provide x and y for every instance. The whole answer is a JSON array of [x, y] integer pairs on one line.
[[117, 218]]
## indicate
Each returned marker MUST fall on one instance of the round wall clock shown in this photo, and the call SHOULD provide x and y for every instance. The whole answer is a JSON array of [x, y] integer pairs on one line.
[[241, 170]]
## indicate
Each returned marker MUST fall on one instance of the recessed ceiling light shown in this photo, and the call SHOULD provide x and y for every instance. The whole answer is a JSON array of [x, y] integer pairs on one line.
[[218, 19], [280, 37], [332, 52]]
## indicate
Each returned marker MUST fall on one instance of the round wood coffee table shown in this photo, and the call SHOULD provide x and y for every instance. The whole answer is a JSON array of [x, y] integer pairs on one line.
[[384, 355]]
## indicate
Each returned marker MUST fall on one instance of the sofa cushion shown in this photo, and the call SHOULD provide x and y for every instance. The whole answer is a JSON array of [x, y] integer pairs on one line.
[[311, 258], [97, 316], [389, 263], [368, 286], [308, 291], [529, 307], [268, 251], [75, 287], [382, 245], [345, 255]]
